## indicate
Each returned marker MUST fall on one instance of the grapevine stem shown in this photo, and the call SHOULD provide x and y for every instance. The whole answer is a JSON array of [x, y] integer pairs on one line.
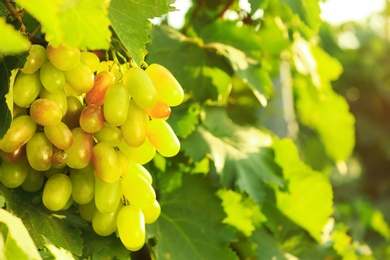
[[15, 13], [225, 8]]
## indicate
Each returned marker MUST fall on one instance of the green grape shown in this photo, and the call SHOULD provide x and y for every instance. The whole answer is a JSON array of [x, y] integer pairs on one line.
[[107, 195], [112, 67], [59, 98], [110, 134], [163, 138], [79, 154], [45, 112], [106, 162], [90, 59], [116, 104], [69, 91], [131, 227], [102, 82], [18, 134], [14, 156], [75, 107], [18, 111], [80, 78], [26, 88], [59, 135], [83, 184], [63, 57], [140, 88], [137, 190], [39, 151], [68, 204], [104, 224], [136, 168], [142, 154], [53, 79], [160, 110], [151, 212], [87, 210], [91, 118], [55, 169], [12, 175], [36, 57], [56, 192], [124, 161], [167, 87], [34, 181], [134, 128]]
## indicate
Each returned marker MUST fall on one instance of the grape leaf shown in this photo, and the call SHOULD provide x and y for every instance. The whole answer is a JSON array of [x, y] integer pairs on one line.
[[11, 41], [19, 244], [191, 230], [240, 154], [184, 118], [308, 11], [82, 23], [267, 247], [129, 19], [61, 228], [322, 111], [258, 4], [309, 194], [202, 72]]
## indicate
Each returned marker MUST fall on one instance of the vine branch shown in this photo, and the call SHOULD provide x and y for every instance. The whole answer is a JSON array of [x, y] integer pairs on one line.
[[15, 13]]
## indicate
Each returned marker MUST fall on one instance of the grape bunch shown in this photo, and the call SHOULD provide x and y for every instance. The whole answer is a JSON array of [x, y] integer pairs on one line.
[[81, 132]]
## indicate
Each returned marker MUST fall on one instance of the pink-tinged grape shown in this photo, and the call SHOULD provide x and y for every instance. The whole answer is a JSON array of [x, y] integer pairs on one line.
[[136, 168], [91, 118], [134, 128], [106, 162], [167, 87], [26, 88], [160, 110], [87, 210], [75, 107], [59, 135], [140, 88], [63, 57], [110, 134], [34, 181], [80, 78], [142, 154], [107, 195], [45, 112], [53, 79], [137, 190], [90, 59], [59, 157], [131, 227], [83, 184], [80, 153], [116, 104], [163, 138], [19, 133], [36, 57], [102, 82], [112, 67], [14, 156], [58, 97], [56, 192], [12, 175], [39, 151], [151, 212], [104, 224]]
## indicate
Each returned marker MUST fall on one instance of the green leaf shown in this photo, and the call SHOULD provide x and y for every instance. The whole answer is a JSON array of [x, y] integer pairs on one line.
[[242, 213], [11, 41], [203, 73], [240, 154], [267, 247], [183, 119], [309, 194], [58, 253], [61, 228], [258, 4], [129, 19], [82, 23], [322, 111], [308, 11], [18, 244], [189, 226]]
